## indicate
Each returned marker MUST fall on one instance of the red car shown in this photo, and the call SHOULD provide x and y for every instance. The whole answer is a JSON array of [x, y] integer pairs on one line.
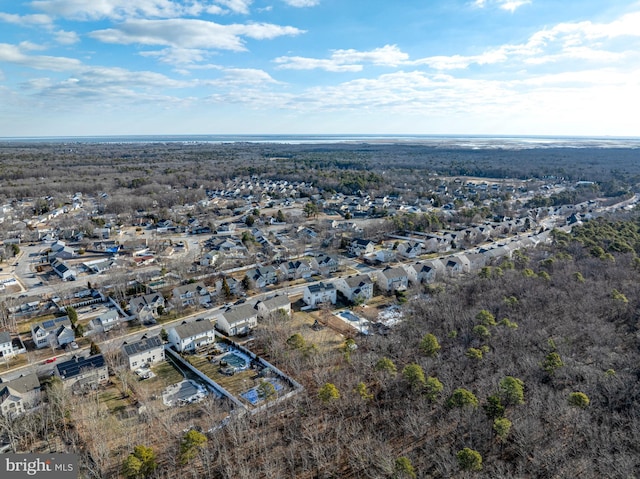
[[50, 360]]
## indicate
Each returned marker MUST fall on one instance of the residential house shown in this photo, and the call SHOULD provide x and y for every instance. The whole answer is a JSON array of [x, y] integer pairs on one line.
[[209, 258], [6, 347], [409, 249], [191, 295], [190, 336], [425, 271], [319, 293], [147, 307], [145, 351], [60, 250], [273, 305], [106, 322], [83, 373], [392, 279], [361, 247], [296, 269], [63, 270], [358, 288], [263, 276], [238, 319], [457, 264], [52, 332], [19, 395], [325, 264], [230, 248]]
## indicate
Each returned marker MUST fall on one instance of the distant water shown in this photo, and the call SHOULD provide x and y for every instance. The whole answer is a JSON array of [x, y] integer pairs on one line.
[[479, 142]]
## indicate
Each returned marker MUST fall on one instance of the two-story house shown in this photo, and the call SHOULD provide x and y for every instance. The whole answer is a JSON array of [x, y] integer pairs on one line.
[[358, 288], [191, 295], [190, 336], [325, 264], [238, 319], [145, 351], [279, 303], [361, 247], [19, 395], [147, 307], [392, 279], [263, 276], [319, 293], [296, 269], [52, 332], [80, 373]]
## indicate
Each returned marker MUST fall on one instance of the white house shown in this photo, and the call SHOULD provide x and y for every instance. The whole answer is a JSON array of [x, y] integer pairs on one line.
[[63, 270], [361, 247], [319, 293], [190, 336], [106, 322], [325, 264], [6, 348], [356, 288], [273, 305], [425, 271], [52, 332], [392, 279], [238, 319], [146, 351]]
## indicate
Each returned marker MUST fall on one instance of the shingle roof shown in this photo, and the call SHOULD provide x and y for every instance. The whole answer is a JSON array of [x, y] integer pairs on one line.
[[194, 328]]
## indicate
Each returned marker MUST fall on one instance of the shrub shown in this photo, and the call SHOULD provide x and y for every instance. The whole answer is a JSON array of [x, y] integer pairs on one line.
[[469, 460], [429, 345], [462, 398], [328, 392], [512, 390], [502, 427], [414, 375], [486, 318], [579, 399]]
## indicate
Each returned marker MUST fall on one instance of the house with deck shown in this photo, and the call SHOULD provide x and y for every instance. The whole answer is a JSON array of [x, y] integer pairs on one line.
[[147, 307], [190, 336], [79, 373], [392, 279], [319, 293], [239, 319], [146, 351], [358, 288], [280, 303], [191, 295]]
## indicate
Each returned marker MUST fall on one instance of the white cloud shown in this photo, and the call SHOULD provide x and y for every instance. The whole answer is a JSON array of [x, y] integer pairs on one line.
[[122, 9], [190, 34], [302, 3], [13, 54], [346, 60], [38, 19], [178, 56], [509, 5], [237, 6], [243, 76], [66, 38], [303, 63]]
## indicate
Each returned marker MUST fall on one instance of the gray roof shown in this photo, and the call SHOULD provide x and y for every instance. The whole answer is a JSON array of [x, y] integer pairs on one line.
[[194, 328], [397, 272], [22, 384], [357, 281], [5, 337], [277, 302], [239, 313], [142, 346]]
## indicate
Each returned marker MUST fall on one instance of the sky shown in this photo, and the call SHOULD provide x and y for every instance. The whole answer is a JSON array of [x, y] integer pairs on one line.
[[457, 67]]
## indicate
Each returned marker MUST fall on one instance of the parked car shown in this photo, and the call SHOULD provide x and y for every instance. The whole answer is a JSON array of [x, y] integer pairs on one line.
[[49, 360]]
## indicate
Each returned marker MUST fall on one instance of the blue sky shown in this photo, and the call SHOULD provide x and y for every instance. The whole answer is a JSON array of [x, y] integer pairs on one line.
[[494, 67]]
